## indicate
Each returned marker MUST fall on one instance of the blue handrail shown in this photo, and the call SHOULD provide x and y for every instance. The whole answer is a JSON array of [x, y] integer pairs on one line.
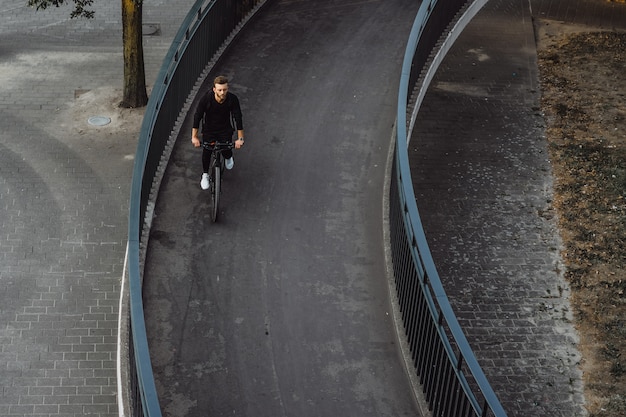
[[440, 309], [182, 67]]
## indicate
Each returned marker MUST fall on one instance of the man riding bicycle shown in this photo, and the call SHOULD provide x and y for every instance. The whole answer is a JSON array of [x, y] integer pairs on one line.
[[218, 108]]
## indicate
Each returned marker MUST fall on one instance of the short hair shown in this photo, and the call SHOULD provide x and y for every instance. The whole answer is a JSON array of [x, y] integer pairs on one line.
[[220, 79]]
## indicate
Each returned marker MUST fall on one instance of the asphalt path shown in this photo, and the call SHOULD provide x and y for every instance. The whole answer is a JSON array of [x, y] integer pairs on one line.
[[282, 307]]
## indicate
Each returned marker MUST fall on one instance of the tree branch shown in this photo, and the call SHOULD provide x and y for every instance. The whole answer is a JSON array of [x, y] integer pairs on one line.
[[79, 7]]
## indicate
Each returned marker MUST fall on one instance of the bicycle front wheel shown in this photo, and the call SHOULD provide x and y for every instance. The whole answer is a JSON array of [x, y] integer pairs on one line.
[[215, 192]]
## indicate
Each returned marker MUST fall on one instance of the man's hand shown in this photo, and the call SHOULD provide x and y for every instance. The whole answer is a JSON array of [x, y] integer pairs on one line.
[[238, 143], [195, 141]]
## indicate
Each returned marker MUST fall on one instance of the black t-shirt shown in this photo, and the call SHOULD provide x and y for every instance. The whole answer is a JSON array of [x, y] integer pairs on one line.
[[218, 117]]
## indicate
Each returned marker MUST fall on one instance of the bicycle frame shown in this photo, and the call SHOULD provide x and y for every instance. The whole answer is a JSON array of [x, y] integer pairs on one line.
[[216, 168]]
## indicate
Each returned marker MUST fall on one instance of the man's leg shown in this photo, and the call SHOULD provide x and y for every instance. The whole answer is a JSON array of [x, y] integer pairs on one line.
[[206, 161], [228, 156]]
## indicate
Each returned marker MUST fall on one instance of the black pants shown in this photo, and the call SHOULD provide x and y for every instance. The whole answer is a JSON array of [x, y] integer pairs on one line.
[[206, 154]]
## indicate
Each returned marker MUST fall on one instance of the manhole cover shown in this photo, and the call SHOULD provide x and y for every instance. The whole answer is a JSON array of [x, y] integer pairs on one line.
[[151, 29], [98, 120]]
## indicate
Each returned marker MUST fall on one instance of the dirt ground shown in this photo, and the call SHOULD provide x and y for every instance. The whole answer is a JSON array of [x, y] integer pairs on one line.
[[583, 83]]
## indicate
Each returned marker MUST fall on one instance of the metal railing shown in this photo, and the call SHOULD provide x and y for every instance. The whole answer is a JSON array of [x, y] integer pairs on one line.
[[207, 29], [452, 381]]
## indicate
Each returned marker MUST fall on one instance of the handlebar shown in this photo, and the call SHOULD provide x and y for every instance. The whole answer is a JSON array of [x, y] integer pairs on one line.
[[217, 146]]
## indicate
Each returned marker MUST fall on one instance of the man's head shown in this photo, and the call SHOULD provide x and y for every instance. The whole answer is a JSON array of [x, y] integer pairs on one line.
[[220, 88]]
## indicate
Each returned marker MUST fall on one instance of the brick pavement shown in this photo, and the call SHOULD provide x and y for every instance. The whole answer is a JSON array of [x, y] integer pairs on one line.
[[64, 188], [483, 185]]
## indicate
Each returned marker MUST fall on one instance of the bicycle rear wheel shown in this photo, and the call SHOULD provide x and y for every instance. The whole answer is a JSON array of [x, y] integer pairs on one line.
[[215, 192]]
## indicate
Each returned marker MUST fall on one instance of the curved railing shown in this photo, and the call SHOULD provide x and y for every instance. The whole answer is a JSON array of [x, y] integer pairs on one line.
[[208, 28], [452, 380], [450, 377]]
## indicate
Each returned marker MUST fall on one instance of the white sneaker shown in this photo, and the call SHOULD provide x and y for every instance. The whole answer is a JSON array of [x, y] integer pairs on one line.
[[205, 181], [230, 163]]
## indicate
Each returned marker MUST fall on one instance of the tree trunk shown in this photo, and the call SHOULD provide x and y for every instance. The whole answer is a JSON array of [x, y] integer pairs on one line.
[[135, 94]]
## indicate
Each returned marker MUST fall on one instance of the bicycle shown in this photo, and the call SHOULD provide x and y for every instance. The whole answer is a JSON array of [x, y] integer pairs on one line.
[[216, 169]]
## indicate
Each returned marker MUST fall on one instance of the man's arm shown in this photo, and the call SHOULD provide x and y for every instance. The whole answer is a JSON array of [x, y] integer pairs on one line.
[[197, 117], [194, 137], [236, 112], [239, 141]]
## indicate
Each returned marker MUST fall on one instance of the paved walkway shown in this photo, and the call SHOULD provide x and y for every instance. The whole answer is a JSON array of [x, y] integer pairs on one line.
[[64, 190], [484, 188], [268, 317], [282, 308]]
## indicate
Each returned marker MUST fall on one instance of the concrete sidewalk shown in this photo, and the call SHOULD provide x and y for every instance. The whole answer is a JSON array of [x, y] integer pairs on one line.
[[64, 188]]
